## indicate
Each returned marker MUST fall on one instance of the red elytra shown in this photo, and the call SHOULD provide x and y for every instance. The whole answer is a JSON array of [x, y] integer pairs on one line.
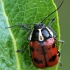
[[47, 59]]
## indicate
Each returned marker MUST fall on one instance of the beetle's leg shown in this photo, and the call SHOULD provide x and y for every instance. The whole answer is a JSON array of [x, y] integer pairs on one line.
[[59, 56], [61, 41], [60, 63], [22, 50], [49, 26], [58, 53]]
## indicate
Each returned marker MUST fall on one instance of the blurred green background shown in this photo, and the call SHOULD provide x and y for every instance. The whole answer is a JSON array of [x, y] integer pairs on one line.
[[64, 20]]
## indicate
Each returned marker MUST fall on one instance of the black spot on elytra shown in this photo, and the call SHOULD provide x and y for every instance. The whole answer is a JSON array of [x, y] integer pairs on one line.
[[53, 45], [48, 48], [52, 58], [32, 49], [38, 50], [38, 61]]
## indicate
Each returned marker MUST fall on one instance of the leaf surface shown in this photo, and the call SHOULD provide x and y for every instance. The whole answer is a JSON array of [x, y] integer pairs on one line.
[[22, 12]]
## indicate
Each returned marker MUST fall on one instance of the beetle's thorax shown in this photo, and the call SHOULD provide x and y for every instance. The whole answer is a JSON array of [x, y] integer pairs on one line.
[[41, 33]]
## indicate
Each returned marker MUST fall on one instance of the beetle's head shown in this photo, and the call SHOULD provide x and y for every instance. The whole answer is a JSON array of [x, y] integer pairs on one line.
[[39, 26]]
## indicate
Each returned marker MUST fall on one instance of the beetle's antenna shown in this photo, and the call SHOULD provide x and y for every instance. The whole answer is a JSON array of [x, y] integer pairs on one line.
[[23, 26], [10, 26], [52, 12]]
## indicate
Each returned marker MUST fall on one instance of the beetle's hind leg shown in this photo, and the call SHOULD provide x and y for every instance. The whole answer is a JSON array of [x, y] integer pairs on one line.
[[60, 63], [59, 56]]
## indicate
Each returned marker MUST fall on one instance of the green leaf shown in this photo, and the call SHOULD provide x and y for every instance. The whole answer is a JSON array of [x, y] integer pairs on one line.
[[22, 12]]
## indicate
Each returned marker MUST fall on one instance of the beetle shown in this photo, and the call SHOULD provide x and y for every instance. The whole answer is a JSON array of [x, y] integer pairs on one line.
[[43, 48]]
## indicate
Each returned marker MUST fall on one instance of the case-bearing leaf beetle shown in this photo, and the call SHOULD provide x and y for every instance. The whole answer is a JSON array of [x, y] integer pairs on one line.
[[44, 52]]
